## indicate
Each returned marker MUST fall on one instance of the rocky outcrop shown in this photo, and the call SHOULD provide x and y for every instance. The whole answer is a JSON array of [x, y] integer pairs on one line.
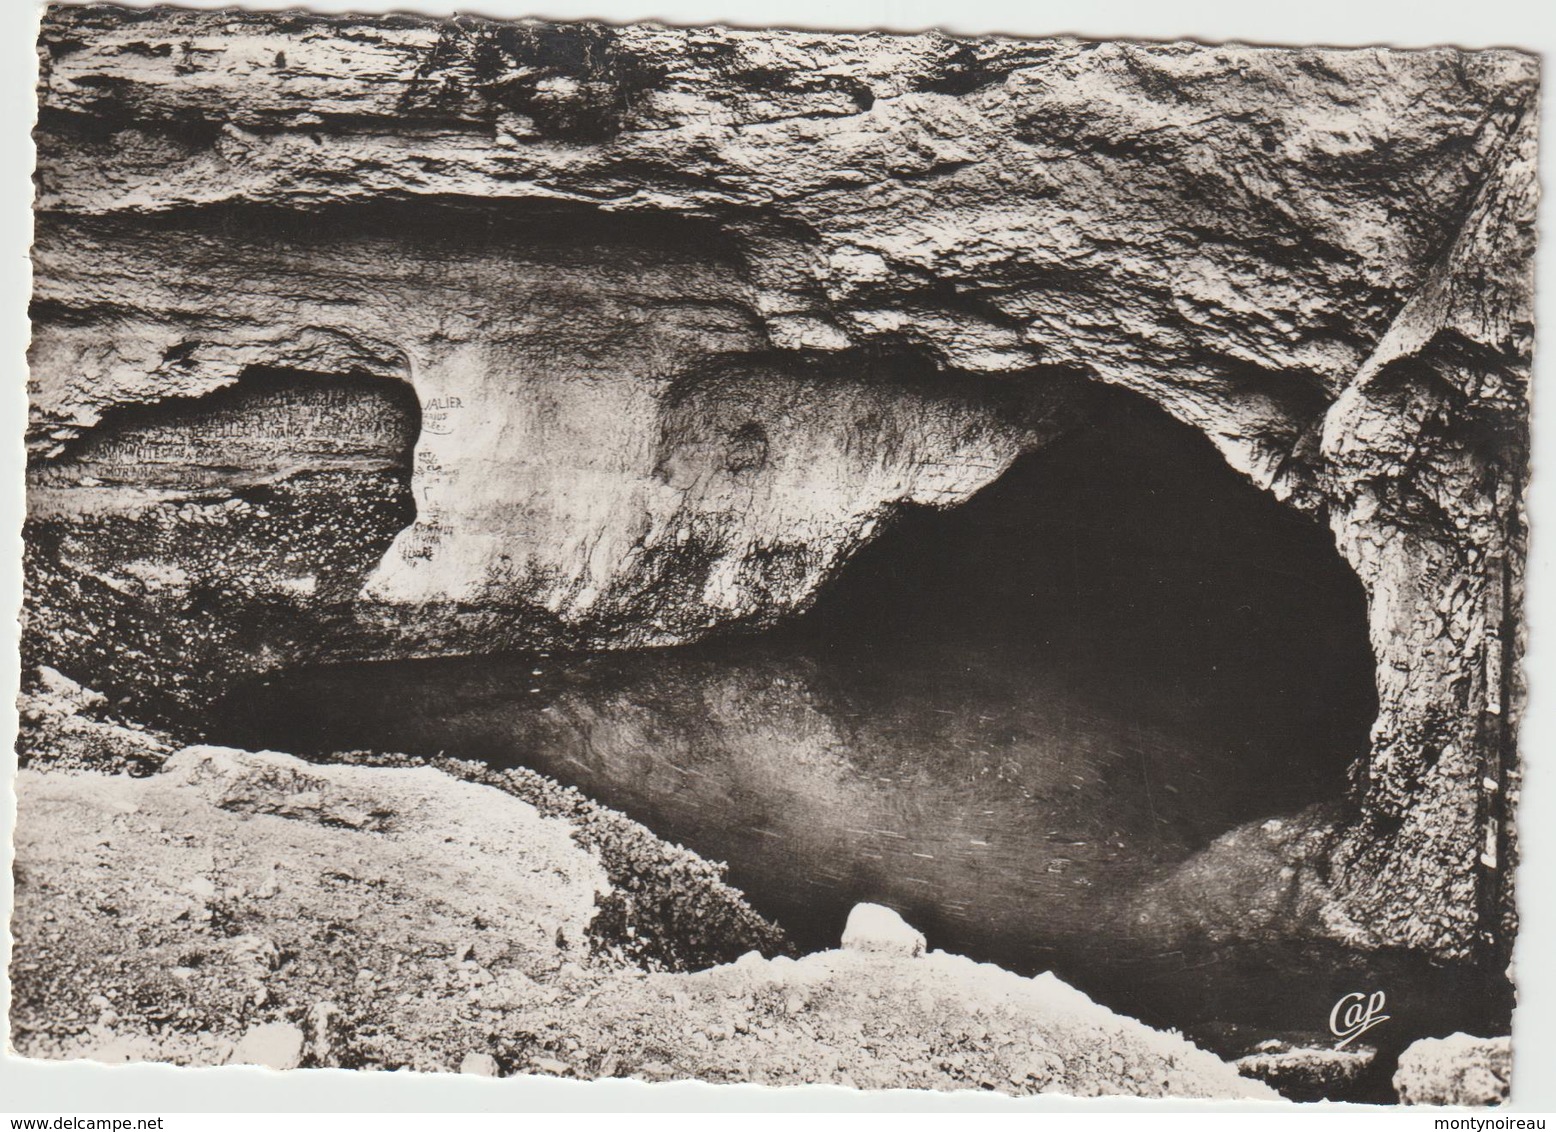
[[874, 929], [1260, 214], [215, 891], [1457, 1070], [250, 908], [1265, 880], [604, 455], [63, 726], [1425, 465], [1306, 1073], [687, 313], [662, 908]]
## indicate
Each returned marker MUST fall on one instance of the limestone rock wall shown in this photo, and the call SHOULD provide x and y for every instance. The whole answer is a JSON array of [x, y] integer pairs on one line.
[[1425, 465], [686, 311], [536, 438]]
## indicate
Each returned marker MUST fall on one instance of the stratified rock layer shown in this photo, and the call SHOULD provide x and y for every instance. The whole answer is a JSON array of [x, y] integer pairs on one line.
[[604, 451], [688, 312]]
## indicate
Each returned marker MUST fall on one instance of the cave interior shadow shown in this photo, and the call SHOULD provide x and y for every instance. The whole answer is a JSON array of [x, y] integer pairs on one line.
[[1153, 576]]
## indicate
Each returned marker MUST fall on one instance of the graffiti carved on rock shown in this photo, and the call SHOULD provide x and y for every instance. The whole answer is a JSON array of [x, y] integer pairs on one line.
[[1059, 500]]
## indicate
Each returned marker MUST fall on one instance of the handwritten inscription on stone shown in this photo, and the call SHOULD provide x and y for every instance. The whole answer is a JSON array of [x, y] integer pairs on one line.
[[260, 430]]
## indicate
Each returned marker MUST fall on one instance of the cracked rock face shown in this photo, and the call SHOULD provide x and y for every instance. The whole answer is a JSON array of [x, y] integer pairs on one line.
[[528, 333], [538, 437]]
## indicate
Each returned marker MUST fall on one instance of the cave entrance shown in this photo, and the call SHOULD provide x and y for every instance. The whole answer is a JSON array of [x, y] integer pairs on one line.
[[1002, 718], [1128, 563]]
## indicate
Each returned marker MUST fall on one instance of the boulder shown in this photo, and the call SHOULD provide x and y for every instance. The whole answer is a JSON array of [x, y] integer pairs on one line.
[[874, 928], [1458, 1070]]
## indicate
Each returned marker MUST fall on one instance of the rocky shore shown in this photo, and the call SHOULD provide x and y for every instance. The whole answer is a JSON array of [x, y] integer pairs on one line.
[[209, 906]]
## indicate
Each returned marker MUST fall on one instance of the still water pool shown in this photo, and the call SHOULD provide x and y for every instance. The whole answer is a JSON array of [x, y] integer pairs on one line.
[[1008, 810]]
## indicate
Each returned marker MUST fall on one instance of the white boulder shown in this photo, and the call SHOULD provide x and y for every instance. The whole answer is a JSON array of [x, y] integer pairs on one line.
[[875, 928]]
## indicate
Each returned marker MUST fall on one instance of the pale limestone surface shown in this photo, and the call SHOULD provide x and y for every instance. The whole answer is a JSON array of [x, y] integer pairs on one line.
[[248, 908], [1456, 1070]]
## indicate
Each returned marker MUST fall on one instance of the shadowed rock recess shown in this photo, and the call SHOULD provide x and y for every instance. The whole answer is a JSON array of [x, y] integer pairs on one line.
[[385, 337]]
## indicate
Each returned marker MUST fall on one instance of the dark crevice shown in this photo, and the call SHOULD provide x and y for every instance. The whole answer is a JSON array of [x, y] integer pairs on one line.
[[450, 221], [106, 117]]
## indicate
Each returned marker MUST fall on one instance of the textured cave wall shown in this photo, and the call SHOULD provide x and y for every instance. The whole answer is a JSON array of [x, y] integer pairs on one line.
[[599, 446], [1425, 458], [686, 312]]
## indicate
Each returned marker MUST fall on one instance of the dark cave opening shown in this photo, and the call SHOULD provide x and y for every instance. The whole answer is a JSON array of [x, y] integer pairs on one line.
[[1001, 718], [1144, 569]]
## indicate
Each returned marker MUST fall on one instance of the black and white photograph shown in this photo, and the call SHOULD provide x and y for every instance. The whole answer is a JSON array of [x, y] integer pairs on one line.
[[766, 556]]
